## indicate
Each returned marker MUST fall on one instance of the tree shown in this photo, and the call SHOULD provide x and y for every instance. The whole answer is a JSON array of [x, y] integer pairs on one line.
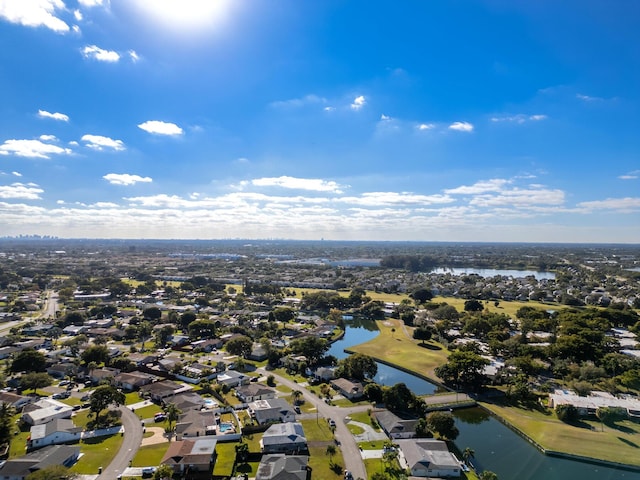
[[296, 395], [240, 346], [463, 368], [473, 306], [330, 451], [144, 331], [421, 295], [604, 414], [487, 475], [242, 452], [202, 329], [373, 392], [311, 347], [423, 334], [443, 424], [29, 360], [163, 472], [35, 380], [358, 366], [422, 429], [186, 319], [6, 423], [53, 472], [102, 397], [173, 412], [152, 314], [96, 353], [467, 455], [566, 413], [163, 335]]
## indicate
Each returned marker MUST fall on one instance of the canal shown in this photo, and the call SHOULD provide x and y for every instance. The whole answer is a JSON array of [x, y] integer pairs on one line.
[[497, 447]]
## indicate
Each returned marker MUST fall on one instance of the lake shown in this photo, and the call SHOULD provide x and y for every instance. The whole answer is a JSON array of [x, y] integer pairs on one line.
[[492, 272], [497, 447]]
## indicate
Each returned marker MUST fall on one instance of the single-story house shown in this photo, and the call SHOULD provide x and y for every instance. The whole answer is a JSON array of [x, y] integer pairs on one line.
[[7, 351], [232, 379], [74, 329], [253, 392], [351, 389], [588, 405], [166, 388], [196, 423], [45, 410], [168, 364], [194, 455], [428, 457], [199, 371], [284, 438], [207, 345], [279, 466], [14, 400], [258, 353], [133, 380], [55, 432], [325, 373], [186, 401], [105, 373], [395, 426], [18, 468], [141, 359], [61, 370], [272, 410]]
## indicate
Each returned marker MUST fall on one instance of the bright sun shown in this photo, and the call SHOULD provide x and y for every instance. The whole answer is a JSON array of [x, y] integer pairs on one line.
[[185, 15]]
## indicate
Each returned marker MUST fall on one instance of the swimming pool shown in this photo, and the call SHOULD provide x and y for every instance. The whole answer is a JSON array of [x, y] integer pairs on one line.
[[226, 428]]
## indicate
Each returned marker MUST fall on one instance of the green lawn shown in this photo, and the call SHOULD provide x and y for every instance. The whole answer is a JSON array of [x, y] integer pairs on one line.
[[317, 430], [320, 464], [97, 452], [395, 346], [148, 411], [364, 417], [225, 459], [355, 429], [619, 444], [150, 455]]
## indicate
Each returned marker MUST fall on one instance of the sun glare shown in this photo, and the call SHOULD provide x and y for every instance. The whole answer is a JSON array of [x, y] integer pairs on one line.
[[186, 16]]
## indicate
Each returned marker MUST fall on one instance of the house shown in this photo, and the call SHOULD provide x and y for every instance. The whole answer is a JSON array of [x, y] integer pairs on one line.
[[45, 410], [196, 372], [207, 345], [35, 330], [166, 388], [283, 467], [192, 455], [74, 329], [133, 380], [196, 423], [232, 379], [186, 401], [427, 457], [18, 468], [169, 364], [105, 373], [325, 373], [62, 370], [284, 438], [588, 405], [271, 411], [395, 426], [258, 353], [253, 392], [55, 432], [14, 400], [142, 359], [351, 389], [7, 351]]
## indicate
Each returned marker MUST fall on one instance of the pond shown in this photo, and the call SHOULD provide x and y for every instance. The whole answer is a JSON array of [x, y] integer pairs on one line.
[[492, 272], [361, 331], [497, 448]]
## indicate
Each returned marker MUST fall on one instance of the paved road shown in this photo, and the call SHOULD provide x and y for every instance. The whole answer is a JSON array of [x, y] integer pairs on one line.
[[129, 447], [350, 449]]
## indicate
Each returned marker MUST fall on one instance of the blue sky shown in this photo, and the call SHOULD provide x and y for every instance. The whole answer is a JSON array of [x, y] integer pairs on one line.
[[453, 120]]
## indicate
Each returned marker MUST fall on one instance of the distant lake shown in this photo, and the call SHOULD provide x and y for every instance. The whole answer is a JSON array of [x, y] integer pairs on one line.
[[492, 272], [349, 262], [635, 269]]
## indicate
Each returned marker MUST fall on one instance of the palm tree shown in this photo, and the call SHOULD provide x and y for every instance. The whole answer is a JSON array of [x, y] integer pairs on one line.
[[331, 451], [467, 454], [173, 412], [296, 395]]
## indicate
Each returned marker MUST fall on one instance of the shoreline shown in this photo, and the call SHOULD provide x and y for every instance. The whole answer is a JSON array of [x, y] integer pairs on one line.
[[521, 433]]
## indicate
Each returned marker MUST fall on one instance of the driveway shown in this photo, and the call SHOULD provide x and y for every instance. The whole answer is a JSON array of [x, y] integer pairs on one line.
[[350, 450], [130, 445]]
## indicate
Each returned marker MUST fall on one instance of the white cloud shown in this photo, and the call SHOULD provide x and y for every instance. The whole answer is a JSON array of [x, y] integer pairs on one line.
[[519, 118], [630, 176], [520, 198], [16, 174], [313, 184], [126, 179], [77, 14], [310, 99], [20, 190], [588, 98], [93, 3], [384, 117], [160, 128], [329, 109], [358, 102], [31, 149], [624, 205], [48, 138], [461, 126], [493, 185], [55, 116], [34, 13], [425, 126], [133, 55], [373, 199], [97, 53], [98, 142]]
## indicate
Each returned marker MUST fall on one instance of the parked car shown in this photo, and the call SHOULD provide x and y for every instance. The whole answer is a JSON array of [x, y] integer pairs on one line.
[[348, 475], [148, 471], [297, 409], [159, 417]]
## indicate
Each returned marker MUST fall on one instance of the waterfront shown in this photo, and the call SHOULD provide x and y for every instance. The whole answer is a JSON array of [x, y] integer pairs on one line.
[[493, 272], [497, 447]]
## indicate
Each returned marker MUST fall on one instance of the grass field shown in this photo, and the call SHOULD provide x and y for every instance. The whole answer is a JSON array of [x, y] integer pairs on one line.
[[395, 345], [97, 452], [225, 459], [615, 444], [150, 455]]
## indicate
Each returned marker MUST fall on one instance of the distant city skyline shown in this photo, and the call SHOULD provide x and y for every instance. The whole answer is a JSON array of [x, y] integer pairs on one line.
[[440, 121]]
